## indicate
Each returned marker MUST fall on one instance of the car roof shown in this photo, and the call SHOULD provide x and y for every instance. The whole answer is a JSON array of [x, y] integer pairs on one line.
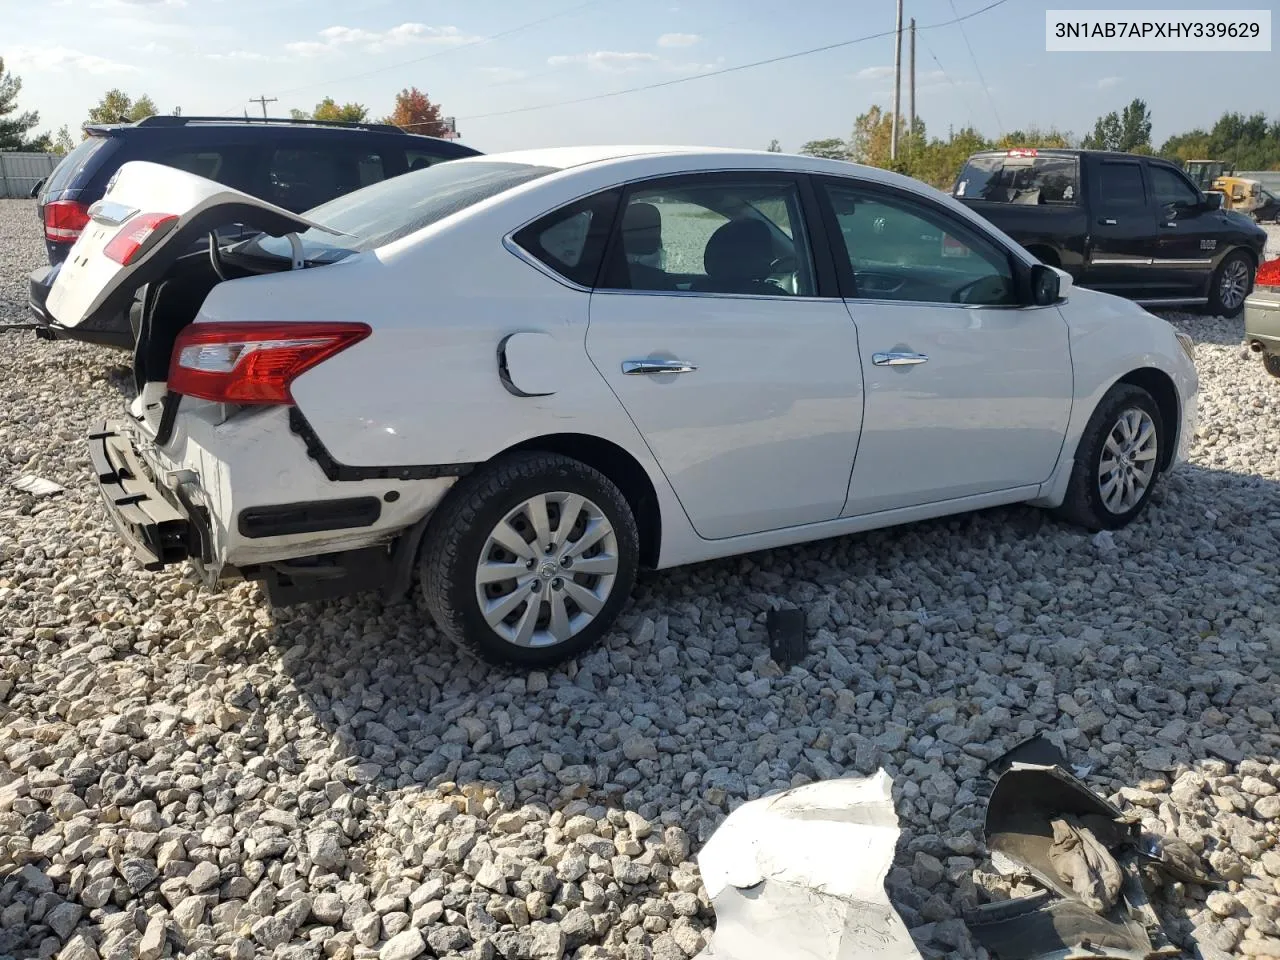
[[565, 158]]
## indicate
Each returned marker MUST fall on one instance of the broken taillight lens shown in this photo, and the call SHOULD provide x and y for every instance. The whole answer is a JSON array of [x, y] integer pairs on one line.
[[133, 236], [253, 363], [1268, 274], [65, 220]]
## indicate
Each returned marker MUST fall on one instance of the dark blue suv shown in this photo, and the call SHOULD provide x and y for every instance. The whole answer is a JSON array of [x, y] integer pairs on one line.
[[295, 164]]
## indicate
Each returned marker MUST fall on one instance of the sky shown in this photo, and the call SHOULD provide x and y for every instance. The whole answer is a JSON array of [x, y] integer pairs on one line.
[[502, 66]]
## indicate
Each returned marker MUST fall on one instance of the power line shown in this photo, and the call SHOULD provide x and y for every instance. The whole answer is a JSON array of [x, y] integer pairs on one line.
[[954, 86], [725, 70], [978, 69]]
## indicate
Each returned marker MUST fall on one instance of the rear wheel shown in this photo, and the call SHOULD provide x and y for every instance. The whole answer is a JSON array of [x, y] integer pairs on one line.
[[1231, 283], [1117, 462], [530, 560], [1271, 363]]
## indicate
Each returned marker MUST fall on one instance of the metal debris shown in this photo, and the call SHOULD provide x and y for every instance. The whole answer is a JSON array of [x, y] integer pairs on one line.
[[800, 876], [787, 642], [37, 486]]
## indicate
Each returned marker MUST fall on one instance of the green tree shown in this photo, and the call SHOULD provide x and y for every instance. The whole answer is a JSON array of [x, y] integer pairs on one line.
[[833, 148], [116, 106], [774, 147], [62, 143], [1128, 131], [14, 126], [296, 114], [328, 109]]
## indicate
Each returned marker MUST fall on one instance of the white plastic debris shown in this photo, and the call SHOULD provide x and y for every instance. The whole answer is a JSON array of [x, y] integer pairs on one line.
[[1104, 540], [800, 876], [37, 486]]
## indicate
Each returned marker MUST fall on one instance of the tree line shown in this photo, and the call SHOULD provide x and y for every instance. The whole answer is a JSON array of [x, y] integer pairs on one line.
[[1249, 142], [412, 110]]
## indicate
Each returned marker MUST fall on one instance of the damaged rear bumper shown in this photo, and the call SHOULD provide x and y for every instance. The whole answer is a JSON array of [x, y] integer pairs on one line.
[[158, 526]]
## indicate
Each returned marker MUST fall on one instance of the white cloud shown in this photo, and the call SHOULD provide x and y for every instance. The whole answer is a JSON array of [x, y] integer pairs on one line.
[[678, 39], [244, 56], [606, 61], [692, 68], [874, 73], [373, 41], [503, 74], [1107, 82], [58, 59]]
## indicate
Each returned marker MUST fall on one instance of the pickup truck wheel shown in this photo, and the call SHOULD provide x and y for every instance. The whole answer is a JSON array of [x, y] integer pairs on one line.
[[1117, 462], [1271, 363], [1231, 283], [529, 560]]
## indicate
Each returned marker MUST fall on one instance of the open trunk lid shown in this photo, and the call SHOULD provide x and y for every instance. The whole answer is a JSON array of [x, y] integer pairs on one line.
[[151, 214]]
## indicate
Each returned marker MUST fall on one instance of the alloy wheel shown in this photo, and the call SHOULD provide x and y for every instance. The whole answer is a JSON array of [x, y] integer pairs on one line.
[[1234, 285]]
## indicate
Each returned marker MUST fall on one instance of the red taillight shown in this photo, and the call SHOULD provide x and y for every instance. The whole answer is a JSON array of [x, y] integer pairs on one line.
[[124, 246], [250, 363], [1268, 274], [64, 220]]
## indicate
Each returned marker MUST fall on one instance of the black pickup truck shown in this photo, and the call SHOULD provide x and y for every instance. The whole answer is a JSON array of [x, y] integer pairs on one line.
[[1124, 224]]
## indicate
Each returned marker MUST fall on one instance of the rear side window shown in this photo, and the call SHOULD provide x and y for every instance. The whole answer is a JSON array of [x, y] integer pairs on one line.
[[206, 163], [420, 159], [65, 173], [1120, 185], [571, 240], [402, 205], [1018, 179], [301, 178]]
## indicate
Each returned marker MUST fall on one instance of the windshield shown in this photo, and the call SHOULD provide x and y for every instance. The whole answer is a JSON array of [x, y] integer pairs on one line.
[[395, 208], [1020, 179]]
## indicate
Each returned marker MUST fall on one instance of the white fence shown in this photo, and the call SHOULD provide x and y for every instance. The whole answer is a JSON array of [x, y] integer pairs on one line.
[[19, 172]]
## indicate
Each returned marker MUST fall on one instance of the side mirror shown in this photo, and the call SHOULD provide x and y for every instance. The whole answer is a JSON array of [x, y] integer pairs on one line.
[[1045, 285], [35, 191], [1212, 200]]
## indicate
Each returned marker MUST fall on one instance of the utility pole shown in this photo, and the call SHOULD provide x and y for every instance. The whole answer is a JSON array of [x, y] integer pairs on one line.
[[911, 97], [897, 85], [264, 101]]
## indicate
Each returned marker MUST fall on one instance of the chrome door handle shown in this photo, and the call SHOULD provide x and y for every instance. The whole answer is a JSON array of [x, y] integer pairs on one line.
[[644, 367], [1108, 221], [897, 359]]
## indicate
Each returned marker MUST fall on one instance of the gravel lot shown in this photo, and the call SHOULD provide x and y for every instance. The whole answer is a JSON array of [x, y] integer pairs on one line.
[[196, 774]]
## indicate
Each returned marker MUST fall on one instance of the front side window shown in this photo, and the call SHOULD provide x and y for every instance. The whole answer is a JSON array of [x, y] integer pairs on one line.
[[714, 235], [901, 249], [571, 241], [1170, 189], [1120, 185]]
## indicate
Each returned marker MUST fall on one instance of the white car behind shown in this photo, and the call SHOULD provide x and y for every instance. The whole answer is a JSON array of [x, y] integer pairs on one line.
[[518, 378]]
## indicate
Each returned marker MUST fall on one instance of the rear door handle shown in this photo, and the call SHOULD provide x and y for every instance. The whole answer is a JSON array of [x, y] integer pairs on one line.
[[640, 368], [1108, 221], [897, 359]]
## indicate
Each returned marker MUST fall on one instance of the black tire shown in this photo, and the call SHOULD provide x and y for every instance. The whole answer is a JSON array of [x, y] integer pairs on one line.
[[461, 528], [1084, 504], [1220, 303], [1271, 363]]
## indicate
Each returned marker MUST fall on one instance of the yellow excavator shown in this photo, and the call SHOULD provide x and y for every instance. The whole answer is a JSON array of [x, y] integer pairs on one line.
[[1239, 193]]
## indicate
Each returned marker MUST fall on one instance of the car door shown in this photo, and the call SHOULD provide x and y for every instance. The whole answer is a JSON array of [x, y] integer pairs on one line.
[[1187, 233], [1121, 228], [966, 391], [718, 325]]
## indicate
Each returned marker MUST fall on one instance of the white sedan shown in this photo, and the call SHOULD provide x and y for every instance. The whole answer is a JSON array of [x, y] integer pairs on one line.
[[517, 378]]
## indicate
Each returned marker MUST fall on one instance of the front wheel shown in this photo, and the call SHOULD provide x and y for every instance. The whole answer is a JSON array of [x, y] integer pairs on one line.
[[1117, 462], [530, 559], [1231, 283], [1271, 363]]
